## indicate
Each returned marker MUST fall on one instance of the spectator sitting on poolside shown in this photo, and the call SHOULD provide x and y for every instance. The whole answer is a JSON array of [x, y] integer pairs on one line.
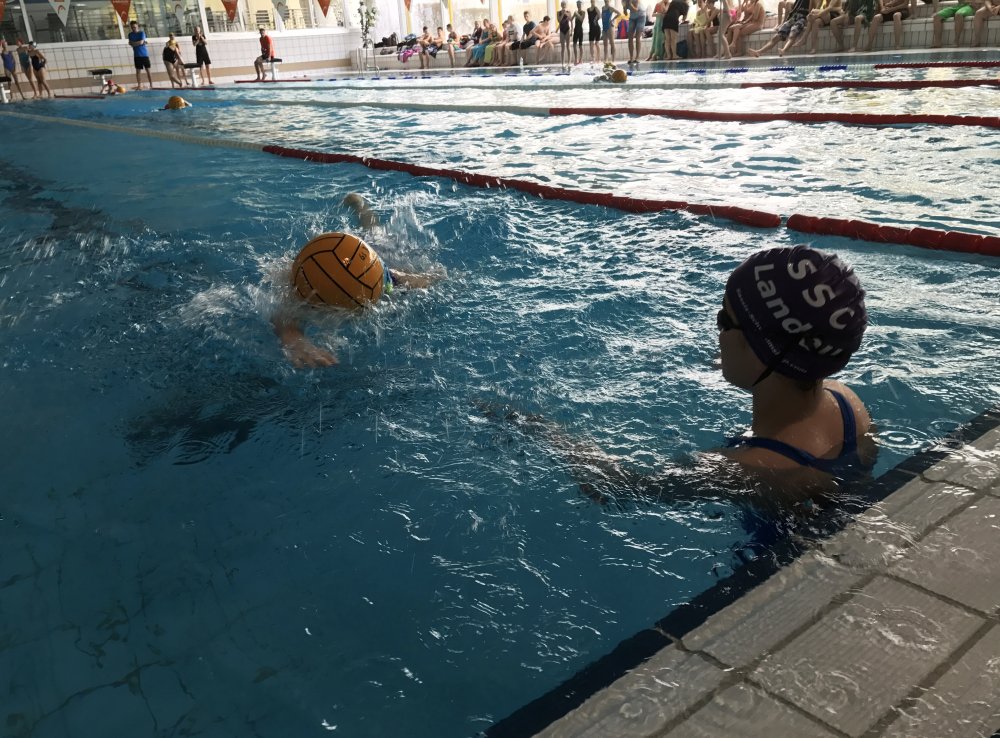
[[528, 38], [856, 12], [512, 35], [266, 54], [959, 12], [448, 41], [817, 18], [990, 9], [751, 21], [789, 30], [425, 41], [546, 38], [696, 32], [895, 10]]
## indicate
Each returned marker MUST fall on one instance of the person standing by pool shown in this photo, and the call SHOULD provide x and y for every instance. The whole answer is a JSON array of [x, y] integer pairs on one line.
[[38, 63], [140, 54], [578, 19], [10, 66], [266, 55], [594, 35], [677, 11], [301, 351], [172, 61], [636, 27], [201, 57], [564, 19], [24, 60], [609, 18]]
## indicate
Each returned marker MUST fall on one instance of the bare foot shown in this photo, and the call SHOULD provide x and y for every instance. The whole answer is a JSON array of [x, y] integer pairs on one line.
[[754, 53]]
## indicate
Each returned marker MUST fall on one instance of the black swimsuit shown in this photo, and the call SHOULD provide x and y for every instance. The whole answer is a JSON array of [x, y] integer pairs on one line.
[[594, 18]]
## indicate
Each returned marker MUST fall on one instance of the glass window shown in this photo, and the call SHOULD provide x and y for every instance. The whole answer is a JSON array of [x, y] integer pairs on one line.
[[466, 12], [537, 8], [218, 18], [12, 26], [85, 21], [426, 13]]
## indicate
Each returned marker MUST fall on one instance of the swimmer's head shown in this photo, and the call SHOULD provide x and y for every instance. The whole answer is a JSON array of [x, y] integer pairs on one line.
[[176, 103], [801, 311]]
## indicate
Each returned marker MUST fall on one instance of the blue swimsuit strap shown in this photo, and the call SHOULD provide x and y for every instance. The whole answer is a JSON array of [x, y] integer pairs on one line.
[[805, 458]]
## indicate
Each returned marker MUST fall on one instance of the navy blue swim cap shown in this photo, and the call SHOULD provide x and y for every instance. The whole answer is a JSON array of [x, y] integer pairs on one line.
[[801, 310]]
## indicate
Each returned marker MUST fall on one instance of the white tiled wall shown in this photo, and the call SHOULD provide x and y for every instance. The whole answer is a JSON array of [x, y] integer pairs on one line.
[[232, 55]]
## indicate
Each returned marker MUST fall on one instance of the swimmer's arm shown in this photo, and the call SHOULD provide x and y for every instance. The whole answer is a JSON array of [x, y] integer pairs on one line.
[[415, 281], [301, 352], [604, 478]]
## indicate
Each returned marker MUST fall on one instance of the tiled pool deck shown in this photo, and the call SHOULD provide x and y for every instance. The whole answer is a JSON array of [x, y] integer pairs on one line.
[[890, 627]]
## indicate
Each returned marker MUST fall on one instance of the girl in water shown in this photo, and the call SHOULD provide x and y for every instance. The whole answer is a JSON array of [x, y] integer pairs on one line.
[[790, 318]]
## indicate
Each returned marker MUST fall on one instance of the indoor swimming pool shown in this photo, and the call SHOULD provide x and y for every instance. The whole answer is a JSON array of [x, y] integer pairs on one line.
[[203, 540]]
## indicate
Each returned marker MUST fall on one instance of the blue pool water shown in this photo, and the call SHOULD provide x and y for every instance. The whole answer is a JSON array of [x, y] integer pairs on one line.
[[199, 539]]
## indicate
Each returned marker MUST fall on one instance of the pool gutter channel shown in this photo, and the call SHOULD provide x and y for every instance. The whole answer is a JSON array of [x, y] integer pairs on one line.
[[649, 683]]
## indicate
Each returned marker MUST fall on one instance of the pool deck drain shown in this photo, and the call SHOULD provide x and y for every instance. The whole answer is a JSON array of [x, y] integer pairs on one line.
[[890, 627]]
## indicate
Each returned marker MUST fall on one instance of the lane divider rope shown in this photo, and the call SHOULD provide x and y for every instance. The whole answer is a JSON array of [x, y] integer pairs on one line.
[[957, 241], [859, 119], [876, 84]]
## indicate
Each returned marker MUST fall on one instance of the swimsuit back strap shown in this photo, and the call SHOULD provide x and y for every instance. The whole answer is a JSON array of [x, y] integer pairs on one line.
[[850, 425], [781, 448]]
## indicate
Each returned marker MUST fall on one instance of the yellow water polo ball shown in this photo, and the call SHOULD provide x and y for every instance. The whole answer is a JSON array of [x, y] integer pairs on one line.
[[619, 75], [120, 90], [338, 269], [176, 103]]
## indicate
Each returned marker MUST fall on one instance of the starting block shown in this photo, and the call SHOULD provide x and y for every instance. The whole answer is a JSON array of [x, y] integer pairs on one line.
[[192, 67], [103, 74]]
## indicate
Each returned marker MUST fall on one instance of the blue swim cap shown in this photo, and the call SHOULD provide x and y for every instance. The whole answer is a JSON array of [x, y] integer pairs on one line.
[[801, 310]]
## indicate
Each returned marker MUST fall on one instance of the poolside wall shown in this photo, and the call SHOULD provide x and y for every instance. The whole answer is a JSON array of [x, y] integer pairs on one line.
[[69, 64]]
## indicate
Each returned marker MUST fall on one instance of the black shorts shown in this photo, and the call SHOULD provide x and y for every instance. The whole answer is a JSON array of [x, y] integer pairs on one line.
[[142, 62], [578, 35], [201, 56], [886, 17], [595, 33]]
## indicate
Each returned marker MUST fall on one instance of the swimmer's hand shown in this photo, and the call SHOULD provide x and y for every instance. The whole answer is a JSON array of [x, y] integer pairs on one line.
[[301, 352], [417, 281]]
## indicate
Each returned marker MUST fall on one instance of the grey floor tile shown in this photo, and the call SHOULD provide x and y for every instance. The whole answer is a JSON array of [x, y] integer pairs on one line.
[[959, 559], [963, 703], [759, 620], [989, 441], [881, 536], [857, 662], [969, 467], [748, 712], [642, 702]]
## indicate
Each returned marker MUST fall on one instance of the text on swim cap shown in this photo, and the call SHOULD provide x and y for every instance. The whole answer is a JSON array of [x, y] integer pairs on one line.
[[817, 296]]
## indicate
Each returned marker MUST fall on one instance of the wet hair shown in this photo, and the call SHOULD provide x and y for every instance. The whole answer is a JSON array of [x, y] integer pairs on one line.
[[801, 310]]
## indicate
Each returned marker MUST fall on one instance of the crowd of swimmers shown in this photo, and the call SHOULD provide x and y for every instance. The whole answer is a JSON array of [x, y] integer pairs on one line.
[[712, 31], [31, 63]]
